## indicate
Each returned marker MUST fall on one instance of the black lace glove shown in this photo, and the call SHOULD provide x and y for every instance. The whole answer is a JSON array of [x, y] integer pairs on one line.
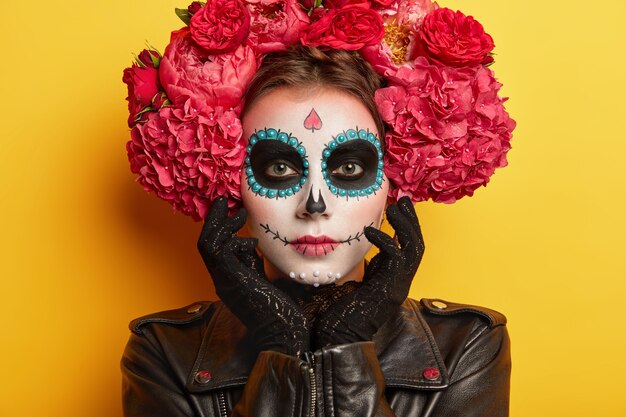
[[358, 315], [274, 321]]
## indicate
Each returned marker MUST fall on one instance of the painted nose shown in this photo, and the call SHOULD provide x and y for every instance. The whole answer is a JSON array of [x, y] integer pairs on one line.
[[315, 206]]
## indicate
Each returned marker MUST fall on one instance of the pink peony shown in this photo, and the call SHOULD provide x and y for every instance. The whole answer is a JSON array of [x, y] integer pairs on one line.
[[276, 24], [351, 27], [187, 159], [455, 39], [188, 72], [449, 130], [220, 26], [399, 46], [411, 13]]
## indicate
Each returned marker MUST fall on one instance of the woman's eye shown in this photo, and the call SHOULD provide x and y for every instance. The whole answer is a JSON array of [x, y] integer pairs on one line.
[[348, 171], [280, 170]]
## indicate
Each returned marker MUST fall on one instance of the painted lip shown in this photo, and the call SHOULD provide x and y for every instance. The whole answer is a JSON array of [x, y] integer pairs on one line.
[[315, 245]]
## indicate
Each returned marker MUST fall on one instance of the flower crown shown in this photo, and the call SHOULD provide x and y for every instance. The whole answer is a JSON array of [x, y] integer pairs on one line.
[[448, 129]]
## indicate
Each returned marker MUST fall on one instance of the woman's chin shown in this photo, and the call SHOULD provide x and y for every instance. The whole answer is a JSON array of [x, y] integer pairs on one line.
[[315, 273]]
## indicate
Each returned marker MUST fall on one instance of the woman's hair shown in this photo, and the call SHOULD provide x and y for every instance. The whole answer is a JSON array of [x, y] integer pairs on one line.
[[308, 67]]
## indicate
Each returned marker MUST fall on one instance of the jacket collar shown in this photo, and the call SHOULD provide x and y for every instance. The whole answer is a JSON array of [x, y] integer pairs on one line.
[[405, 347]]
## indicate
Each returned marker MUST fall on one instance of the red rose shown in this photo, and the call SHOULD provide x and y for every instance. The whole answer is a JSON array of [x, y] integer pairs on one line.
[[351, 28], [220, 26], [382, 3], [149, 58], [455, 39], [338, 4], [143, 86]]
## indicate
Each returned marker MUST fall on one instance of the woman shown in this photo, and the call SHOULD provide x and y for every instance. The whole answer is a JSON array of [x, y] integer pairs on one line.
[[435, 359], [310, 328]]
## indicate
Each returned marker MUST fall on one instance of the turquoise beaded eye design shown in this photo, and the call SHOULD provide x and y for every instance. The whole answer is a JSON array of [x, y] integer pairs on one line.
[[276, 164], [352, 164]]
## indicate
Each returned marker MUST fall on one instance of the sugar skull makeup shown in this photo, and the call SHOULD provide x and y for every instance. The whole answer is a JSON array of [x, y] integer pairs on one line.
[[313, 180]]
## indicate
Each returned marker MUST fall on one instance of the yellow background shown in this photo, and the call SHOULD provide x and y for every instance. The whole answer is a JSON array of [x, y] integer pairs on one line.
[[84, 249]]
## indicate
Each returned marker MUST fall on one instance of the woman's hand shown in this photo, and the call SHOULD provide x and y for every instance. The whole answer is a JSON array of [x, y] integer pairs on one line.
[[358, 315], [273, 319]]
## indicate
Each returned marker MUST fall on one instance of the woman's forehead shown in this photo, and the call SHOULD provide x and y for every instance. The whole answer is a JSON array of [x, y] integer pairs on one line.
[[309, 115]]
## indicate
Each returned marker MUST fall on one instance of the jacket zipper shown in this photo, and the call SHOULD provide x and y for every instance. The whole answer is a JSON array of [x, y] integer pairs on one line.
[[221, 402], [313, 400]]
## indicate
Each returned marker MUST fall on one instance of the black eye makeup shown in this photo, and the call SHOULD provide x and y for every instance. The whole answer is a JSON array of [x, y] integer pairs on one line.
[[352, 164], [276, 165]]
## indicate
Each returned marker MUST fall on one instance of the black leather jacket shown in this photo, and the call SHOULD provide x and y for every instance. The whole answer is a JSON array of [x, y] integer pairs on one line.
[[435, 358]]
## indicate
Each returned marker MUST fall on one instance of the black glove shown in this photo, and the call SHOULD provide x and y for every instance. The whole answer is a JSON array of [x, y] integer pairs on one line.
[[358, 315], [274, 321]]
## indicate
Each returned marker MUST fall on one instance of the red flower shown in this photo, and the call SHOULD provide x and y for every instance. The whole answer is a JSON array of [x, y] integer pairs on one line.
[[220, 26], [143, 87], [194, 8], [351, 28], [455, 39], [338, 4], [149, 58]]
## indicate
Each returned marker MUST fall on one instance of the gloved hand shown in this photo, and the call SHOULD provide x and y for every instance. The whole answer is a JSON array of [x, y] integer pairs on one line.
[[358, 315], [273, 319]]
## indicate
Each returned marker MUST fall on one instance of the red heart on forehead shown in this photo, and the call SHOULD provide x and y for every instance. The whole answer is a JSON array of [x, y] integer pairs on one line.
[[313, 121]]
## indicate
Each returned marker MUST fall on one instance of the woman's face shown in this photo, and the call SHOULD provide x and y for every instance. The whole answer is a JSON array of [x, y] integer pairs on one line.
[[313, 180]]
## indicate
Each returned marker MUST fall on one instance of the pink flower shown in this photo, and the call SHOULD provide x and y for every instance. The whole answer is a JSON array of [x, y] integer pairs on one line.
[[351, 27], [449, 130], [411, 13], [398, 47], [276, 24], [220, 26], [188, 72], [455, 39], [189, 160]]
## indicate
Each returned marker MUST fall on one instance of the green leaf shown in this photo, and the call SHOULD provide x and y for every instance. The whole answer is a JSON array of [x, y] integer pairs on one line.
[[183, 14], [139, 114], [155, 61]]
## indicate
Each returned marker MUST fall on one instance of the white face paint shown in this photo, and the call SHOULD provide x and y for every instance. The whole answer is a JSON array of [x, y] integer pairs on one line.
[[309, 211]]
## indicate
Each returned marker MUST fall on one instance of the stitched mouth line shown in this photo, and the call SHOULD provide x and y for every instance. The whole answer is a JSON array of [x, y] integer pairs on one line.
[[277, 236]]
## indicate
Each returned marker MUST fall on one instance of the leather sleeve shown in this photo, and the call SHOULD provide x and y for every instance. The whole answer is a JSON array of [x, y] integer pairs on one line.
[[148, 386], [480, 383], [339, 381]]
